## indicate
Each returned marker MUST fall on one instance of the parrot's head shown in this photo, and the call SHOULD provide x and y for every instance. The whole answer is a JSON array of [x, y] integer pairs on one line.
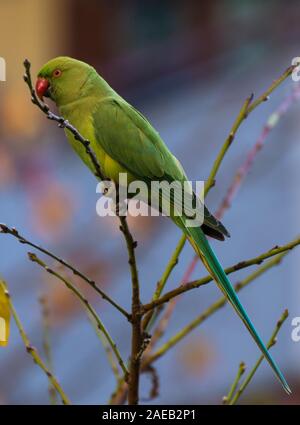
[[63, 79]]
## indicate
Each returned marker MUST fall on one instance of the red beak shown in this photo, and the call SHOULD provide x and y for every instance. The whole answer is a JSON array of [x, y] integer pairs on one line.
[[41, 87]]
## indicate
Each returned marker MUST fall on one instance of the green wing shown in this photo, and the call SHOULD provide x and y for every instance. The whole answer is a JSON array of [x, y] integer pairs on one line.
[[128, 137]]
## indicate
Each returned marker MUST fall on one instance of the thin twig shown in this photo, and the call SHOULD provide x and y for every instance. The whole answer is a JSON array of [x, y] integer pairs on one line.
[[47, 345], [270, 344], [217, 163], [233, 189], [32, 351], [266, 95], [86, 305], [154, 390], [162, 282], [240, 373], [161, 327], [246, 109], [244, 169], [120, 394], [221, 302], [248, 106], [241, 265], [14, 232], [107, 348]]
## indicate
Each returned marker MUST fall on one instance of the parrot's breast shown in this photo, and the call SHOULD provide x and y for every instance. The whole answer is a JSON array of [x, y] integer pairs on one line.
[[83, 122]]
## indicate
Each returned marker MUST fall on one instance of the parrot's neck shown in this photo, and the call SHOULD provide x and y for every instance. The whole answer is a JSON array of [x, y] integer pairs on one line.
[[96, 86], [93, 89]]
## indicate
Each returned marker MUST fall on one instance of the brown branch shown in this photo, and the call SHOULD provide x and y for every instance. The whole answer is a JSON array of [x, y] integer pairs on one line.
[[161, 283], [86, 305], [154, 390], [137, 336], [150, 358], [14, 232], [221, 302], [47, 345]]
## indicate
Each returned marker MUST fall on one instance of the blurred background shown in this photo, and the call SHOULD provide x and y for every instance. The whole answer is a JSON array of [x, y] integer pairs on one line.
[[188, 66]]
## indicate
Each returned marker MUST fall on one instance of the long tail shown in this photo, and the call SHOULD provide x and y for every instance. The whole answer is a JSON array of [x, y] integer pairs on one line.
[[203, 249]]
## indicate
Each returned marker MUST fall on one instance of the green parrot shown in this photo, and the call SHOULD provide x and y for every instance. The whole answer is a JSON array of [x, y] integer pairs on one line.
[[125, 142]]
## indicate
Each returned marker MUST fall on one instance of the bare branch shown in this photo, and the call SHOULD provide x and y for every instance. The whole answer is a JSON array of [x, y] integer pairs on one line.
[[248, 106], [215, 168], [240, 373], [162, 282], [241, 265], [244, 169], [137, 335], [47, 345], [221, 302], [86, 305], [14, 232]]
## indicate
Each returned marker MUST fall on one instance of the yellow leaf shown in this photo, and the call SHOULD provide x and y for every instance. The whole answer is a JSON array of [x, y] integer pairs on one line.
[[4, 315]]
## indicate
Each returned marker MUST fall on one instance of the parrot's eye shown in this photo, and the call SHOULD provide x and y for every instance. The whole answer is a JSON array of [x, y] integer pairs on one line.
[[57, 73]]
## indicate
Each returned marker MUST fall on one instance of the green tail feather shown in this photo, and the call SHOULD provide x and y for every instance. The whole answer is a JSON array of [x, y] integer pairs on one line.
[[201, 245]]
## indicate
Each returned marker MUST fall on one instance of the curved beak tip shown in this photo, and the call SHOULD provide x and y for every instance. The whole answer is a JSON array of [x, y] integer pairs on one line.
[[41, 87]]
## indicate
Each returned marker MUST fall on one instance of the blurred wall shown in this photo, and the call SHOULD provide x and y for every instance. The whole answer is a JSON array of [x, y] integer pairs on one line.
[[31, 29]]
